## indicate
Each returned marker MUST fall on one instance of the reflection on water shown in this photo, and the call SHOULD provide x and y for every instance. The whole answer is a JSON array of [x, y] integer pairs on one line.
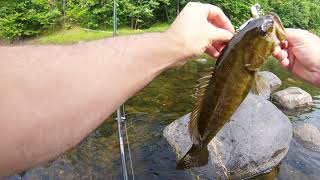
[[167, 98]]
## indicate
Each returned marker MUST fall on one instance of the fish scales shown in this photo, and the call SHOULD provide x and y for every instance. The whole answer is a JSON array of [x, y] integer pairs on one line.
[[233, 76]]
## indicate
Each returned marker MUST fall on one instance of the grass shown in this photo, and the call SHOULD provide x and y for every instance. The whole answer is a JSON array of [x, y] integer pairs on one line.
[[77, 34]]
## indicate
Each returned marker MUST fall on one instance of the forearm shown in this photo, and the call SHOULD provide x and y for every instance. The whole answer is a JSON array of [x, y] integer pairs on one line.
[[53, 96]]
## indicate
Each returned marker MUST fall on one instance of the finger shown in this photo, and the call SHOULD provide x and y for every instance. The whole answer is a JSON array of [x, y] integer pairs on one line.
[[218, 34], [212, 51], [297, 37], [284, 45], [219, 46], [279, 53], [276, 51], [218, 18], [285, 63], [282, 55]]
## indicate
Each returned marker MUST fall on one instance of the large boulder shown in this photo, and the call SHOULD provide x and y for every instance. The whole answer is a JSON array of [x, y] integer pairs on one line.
[[292, 98], [308, 134], [255, 140]]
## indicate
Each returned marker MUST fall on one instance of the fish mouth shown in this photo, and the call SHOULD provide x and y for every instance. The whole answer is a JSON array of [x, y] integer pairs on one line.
[[279, 28]]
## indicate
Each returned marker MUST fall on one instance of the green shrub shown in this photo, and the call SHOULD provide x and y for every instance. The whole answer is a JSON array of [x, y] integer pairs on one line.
[[27, 18], [91, 14]]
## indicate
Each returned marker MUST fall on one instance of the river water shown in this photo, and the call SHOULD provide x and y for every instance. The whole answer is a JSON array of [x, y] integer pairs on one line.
[[164, 100]]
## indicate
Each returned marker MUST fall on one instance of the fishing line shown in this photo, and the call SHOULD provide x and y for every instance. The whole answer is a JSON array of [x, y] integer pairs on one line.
[[129, 151]]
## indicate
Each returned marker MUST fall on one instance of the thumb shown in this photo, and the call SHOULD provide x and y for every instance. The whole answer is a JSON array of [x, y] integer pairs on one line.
[[297, 37], [219, 35]]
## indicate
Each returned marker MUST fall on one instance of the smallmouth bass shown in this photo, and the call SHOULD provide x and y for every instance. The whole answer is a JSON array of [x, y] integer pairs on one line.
[[235, 73]]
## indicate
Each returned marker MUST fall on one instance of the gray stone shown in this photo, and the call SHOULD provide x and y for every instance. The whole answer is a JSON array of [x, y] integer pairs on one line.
[[308, 134], [255, 140], [273, 80], [292, 98]]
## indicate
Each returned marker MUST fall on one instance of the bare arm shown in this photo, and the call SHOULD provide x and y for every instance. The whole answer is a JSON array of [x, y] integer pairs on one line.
[[53, 96]]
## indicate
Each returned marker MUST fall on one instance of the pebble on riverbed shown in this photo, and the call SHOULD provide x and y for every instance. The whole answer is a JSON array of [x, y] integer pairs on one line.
[[292, 98]]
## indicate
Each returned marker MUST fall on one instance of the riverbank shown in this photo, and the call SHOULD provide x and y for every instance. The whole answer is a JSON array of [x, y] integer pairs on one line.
[[77, 34]]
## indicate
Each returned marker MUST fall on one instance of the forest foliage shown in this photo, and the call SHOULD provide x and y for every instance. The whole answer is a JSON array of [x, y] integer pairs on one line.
[[28, 18]]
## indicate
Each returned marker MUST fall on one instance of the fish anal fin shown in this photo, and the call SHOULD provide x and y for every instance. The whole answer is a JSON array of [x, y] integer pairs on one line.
[[203, 83], [260, 85]]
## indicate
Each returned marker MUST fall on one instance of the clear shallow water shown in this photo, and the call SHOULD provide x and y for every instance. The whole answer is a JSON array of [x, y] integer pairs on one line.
[[167, 98]]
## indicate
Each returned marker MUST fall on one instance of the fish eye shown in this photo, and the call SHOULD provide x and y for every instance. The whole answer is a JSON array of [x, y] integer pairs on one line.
[[263, 32], [266, 27]]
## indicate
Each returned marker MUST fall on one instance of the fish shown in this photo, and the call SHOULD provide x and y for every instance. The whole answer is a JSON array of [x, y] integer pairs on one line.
[[234, 75]]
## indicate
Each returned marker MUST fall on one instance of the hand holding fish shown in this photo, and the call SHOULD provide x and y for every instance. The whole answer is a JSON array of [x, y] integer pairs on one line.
[[301, 55], [201, 28]]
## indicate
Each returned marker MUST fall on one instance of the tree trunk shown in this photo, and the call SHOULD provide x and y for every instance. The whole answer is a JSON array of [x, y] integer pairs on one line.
[[64, 5], [136, 25], [178, 7], [167, 14], [131, 23]]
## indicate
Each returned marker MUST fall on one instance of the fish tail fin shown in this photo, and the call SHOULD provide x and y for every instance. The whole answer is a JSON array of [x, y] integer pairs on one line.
[[197, 156]]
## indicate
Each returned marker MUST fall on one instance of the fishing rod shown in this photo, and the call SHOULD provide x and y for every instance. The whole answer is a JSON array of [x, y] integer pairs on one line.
[[120, 110], [121, 118]]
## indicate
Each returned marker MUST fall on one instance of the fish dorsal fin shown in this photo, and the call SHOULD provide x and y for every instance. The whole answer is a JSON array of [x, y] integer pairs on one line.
[[201, 89], [260, 85]]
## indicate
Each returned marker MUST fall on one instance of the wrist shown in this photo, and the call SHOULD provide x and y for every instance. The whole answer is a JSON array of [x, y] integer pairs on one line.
[[178, 46]]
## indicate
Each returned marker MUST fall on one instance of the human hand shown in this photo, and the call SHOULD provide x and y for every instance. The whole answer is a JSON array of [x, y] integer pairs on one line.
[[201, 28], [300, 54]]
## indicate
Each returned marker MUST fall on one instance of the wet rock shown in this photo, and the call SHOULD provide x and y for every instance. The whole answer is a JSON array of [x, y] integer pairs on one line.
[[255, 140], [308, 134], [273, 80], [292, 98]]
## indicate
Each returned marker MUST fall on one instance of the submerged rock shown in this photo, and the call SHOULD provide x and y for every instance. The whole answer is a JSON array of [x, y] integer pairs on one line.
[[292, 98], [308, 134], [254, 141]]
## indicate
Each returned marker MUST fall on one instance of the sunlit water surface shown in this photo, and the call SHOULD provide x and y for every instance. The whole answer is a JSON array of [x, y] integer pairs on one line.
[[167, 98]]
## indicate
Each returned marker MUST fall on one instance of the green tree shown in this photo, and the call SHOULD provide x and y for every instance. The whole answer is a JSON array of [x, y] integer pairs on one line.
[[27, 18]]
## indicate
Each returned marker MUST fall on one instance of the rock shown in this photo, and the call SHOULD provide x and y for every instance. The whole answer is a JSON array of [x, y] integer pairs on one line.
[[308, 134], [202, 61], [273, 80], [292, 98], [255, 140]]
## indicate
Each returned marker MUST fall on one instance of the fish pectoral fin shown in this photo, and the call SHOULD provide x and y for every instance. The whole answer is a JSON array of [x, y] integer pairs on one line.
[[202, 86], [260, 85]]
